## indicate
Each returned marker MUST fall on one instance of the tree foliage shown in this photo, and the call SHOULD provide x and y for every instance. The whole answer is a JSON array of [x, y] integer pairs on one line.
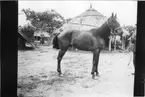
[[130, 28], [27, 30], [45, 21]]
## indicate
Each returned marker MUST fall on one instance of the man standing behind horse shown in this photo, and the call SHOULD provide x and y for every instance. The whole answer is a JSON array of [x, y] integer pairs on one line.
[[133, 41], [132, 48]]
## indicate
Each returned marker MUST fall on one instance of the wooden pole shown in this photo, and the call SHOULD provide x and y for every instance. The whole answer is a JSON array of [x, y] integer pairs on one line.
[[110, 40], [123, 45], [115, 42], [122, 42]]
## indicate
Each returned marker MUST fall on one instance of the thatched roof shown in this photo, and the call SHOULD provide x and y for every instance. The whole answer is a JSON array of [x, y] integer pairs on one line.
[[91, 12], [91, 18]]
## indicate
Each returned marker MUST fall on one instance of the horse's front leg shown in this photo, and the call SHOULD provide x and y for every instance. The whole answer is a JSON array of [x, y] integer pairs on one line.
[[96, 54], [59, 58]]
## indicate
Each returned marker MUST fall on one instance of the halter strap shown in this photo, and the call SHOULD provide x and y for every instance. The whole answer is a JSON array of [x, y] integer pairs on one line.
[[117, 28], [111, 28], [108, 24]]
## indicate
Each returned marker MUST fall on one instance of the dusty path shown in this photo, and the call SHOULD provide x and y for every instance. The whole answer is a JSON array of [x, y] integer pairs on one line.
[[37, 74]]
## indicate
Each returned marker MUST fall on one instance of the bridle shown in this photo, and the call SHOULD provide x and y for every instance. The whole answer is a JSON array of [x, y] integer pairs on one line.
[[112, 29]]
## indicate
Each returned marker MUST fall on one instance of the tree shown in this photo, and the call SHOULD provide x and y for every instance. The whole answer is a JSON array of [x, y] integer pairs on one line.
[[44, 21], [27, 30], [130, 28]]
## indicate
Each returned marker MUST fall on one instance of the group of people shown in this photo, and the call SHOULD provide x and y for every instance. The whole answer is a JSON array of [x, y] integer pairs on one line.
[[42, 37]]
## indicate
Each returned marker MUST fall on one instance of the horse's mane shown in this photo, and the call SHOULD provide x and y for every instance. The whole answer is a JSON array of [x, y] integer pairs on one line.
[[102, 31]]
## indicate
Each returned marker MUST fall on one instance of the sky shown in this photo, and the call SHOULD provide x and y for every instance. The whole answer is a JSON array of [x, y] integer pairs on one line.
[[126, 10]]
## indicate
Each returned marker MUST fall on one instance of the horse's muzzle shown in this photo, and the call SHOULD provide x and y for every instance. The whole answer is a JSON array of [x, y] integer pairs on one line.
[[118, 31]]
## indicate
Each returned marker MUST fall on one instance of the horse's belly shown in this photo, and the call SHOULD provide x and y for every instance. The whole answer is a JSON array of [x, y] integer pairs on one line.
[[83, 43]]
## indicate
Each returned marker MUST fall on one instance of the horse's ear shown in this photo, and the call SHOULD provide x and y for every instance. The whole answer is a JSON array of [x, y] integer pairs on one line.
[[116, 15], [112, 15]]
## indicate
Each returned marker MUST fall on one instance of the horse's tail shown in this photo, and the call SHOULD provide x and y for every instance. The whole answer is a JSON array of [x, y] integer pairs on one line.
[[55, 42]]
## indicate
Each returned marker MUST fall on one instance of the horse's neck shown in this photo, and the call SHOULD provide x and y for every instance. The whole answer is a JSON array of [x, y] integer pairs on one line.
[[103, 31]]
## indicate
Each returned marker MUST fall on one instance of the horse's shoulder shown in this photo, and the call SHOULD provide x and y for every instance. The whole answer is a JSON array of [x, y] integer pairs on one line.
[[94, 29]]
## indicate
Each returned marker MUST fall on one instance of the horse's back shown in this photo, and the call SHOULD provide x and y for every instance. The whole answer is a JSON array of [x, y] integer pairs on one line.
[[66, 35], [83, 40], [65, 38]]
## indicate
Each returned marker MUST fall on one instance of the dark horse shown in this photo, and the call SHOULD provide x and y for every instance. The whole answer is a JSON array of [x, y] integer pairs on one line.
[[93, 40]]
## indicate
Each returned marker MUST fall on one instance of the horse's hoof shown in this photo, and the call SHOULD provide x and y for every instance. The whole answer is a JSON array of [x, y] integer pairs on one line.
[[93, 76], [97, 74], [59, 74]]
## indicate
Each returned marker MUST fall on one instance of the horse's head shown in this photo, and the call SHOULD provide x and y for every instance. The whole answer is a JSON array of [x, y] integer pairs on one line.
[[114, 25]]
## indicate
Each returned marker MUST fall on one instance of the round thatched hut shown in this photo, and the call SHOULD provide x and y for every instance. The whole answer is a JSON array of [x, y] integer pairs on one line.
[[89, 19]]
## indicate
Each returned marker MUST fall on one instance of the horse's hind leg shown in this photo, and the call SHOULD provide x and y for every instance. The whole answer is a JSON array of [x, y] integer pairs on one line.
[[96, 54], [59, 58]]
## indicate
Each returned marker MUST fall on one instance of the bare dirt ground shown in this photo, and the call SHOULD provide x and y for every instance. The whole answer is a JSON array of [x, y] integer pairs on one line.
[[37, 74]]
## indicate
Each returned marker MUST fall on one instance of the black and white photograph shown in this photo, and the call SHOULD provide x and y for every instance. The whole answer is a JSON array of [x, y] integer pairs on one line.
[[76, 48]]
